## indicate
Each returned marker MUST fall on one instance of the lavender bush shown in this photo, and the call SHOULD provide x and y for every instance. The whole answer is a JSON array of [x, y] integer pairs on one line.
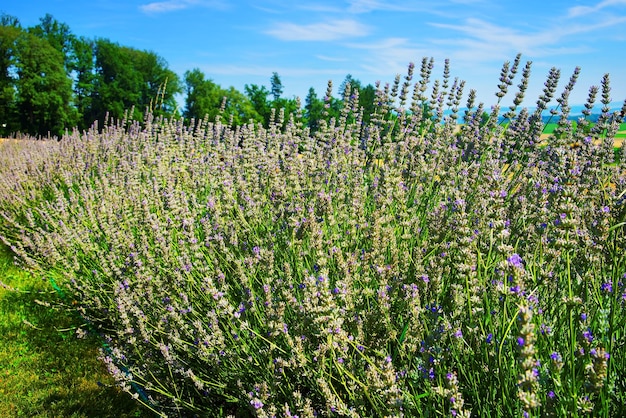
[[412, 266]]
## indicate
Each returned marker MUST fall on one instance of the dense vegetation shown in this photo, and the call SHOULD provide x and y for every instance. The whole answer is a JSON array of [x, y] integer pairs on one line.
[[407, 266], [52, 80]]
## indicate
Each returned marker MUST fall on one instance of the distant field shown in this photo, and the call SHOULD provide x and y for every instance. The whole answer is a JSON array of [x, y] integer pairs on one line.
[[619, 136], [550, 127]]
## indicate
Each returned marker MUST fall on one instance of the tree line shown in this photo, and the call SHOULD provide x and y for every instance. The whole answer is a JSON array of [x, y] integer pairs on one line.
[[52, 80]]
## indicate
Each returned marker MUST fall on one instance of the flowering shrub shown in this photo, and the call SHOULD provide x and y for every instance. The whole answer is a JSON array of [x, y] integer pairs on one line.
[[412, 266]]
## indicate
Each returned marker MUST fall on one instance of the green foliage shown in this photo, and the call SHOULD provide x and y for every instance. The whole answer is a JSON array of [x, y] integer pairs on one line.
[[268, 109], [43, 90], [258, 97], [8, 39], [313, 110], [129, 78], [277, 86], [58, 36], [84, 79], [204, 98], [51, 80]]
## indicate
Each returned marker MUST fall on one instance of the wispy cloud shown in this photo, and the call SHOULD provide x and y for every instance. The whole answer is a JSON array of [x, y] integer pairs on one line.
[[331, 59], [331, 30], [265, 71], [174, 5], [164, 6], [366, 6], [585, 10], [485, 41], [483, 38], [389, 56]]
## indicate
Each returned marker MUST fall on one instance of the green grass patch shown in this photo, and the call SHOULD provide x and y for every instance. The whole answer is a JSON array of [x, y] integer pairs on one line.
[[45, 370], [550, 127]]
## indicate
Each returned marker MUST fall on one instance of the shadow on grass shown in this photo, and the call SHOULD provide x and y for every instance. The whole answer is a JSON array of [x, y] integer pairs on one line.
[[45, 370]]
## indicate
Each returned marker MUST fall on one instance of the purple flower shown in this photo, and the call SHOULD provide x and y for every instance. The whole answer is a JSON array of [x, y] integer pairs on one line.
[[489, 338], [588, 335], [520, 341], [607, 287], [256, 403], [556, 356], [516, 261]]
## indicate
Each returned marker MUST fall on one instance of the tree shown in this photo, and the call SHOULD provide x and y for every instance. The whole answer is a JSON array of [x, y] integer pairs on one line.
[[240, 108], [84, 79], [9, 32], [159, 83], [313, 110], [129, 78], [354, 84], [58, 35], [117, 84], [205, 98], [44, 92], [367, 102], [258, 97], [277, 86]]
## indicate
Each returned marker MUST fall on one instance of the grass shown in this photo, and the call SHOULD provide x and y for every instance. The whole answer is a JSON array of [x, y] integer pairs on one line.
[[550, 127], [45, 370]]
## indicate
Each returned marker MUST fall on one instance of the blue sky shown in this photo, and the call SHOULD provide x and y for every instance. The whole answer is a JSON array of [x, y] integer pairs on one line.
[[309, 42]]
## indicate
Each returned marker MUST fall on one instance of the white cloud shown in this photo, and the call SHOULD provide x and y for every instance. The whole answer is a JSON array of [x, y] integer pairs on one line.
[[331, 30], [266, 71], [164, 6], [173, 5], [485, 41], [389, 56], [366, 6], [479, 31], [332, 59], [585, 10]]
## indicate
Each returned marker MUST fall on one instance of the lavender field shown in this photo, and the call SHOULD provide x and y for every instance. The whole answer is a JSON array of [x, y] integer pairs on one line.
[[411, 266]]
